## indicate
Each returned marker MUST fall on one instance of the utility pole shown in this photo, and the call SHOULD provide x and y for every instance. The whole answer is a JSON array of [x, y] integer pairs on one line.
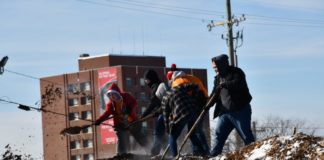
[[231, 20], [230, 33]]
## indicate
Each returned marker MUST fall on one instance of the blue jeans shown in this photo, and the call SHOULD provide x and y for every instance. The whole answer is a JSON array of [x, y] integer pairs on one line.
[[194, 137], [227, 121], [158, 135], [203, 141]]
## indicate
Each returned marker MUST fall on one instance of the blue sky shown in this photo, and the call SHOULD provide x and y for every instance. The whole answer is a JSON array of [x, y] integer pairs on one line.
[[282, 53]]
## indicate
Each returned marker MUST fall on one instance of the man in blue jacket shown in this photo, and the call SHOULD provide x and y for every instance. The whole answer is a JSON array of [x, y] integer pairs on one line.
[[233, 105]]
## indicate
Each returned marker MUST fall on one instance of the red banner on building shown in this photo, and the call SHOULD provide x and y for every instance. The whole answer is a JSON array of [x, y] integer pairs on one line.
[[106, 77]]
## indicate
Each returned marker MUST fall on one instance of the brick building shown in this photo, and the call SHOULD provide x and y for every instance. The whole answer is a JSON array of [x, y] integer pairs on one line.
[[75, 99]]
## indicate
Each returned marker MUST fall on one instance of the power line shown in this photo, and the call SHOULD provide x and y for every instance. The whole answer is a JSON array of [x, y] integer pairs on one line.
[[285, 25], [141, 10], [284, 19], [178, 7], [32, 77], [210, 12], [151, 5], [280, 5], [264, 20]]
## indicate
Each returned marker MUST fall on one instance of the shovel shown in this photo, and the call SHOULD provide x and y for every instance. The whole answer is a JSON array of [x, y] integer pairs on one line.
[[77, 129], [144, 118], [74, 130]]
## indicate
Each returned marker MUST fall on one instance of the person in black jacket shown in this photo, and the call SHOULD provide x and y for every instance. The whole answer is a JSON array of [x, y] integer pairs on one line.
[[233, 105], [152, 80]]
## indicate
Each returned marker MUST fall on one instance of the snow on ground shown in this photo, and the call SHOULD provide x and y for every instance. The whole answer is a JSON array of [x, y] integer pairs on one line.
[[299, 146]]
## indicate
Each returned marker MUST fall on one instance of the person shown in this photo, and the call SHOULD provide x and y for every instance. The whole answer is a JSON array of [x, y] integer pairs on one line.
[[158, 88], [123, 108], [181, 107], [233, 107]]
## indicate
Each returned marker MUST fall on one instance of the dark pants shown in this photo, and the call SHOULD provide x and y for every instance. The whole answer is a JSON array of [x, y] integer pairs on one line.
[[122, 137], [158, 135], [194, 137], [240, 120]]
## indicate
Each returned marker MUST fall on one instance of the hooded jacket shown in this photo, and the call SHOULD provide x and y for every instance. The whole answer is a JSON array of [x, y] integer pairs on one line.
[[154, 83], [234, 94], [128, 108]]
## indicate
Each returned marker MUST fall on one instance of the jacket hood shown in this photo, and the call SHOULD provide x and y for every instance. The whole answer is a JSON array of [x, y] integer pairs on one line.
[[222, 64], [113, 88], [152, 76], [177, 74]]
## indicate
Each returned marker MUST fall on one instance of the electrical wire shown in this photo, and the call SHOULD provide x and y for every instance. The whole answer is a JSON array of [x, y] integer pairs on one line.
[[141, 10], [313, 9], [285, 25], [140, 4], [209, 12], [258, 19], [201, 11], [32, 77]]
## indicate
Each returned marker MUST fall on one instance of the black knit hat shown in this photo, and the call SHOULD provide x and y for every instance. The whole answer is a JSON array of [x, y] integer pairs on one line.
[[152, 76]]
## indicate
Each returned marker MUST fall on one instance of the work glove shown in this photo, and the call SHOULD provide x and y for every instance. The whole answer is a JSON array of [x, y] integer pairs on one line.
[[222, 83]]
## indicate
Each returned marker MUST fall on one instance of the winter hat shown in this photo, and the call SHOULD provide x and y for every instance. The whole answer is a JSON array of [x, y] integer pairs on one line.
[[173, 67], [169, 75], [152, 76], [177, 74], [113, 89]]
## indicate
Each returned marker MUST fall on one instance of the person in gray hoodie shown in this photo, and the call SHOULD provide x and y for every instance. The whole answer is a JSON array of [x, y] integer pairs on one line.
[[233, 107]]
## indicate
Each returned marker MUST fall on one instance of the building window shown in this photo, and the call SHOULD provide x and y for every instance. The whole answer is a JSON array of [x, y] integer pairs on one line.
[[142, 82], [128, 82], [86, 100], [87, 130], [76, 157], [74, 116], [75, 145], [86, 115], [85, 86], [142, 96], [72, 88], [73, 102], [88, 157], [87, 143]]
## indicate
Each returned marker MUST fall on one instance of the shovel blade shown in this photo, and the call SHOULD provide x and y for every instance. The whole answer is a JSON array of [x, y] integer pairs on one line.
[[71, 130]]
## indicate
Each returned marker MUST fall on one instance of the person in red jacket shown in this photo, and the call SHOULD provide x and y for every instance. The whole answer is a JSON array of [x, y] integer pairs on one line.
[[122, 106]]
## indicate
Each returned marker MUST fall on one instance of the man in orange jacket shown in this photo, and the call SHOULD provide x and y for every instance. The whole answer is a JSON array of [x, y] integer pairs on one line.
[[187, 98]]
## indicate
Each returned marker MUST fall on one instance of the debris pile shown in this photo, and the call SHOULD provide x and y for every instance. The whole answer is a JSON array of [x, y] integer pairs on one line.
[[299, 146]]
